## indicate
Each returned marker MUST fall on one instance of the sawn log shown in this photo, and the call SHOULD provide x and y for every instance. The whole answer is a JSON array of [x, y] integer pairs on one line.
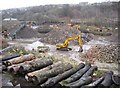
[[20, 59], [78, 74], [42, 77], [54, 80]]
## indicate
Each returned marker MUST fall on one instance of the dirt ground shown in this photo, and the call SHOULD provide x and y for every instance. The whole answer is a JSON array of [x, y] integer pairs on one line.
[[74, 54]]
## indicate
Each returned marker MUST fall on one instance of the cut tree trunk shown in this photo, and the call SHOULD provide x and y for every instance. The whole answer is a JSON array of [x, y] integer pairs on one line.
[[90, 71], [116, 79], [78, 74], [107, 82], [35, 65], [94, 84], [20, 59], [9, 57], [29, 76], [82, 81], [54, 80], [14, 68], [38, 79]]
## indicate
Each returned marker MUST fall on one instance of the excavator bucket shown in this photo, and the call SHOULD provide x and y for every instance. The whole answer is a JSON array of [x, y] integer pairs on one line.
[[80, 50]]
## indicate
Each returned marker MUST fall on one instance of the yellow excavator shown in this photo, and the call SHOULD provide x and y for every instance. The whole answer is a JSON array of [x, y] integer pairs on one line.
[[64, 46]]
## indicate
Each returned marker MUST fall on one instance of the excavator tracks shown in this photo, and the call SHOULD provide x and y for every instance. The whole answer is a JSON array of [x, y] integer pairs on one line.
[[64, 49]]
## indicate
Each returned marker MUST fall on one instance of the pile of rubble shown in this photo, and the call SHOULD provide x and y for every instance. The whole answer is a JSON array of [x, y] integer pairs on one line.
[[59, 35], [114, 37], [107, 53], [26, 32]]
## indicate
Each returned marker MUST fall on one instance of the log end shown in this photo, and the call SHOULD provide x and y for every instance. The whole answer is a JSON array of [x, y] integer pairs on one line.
[[8, 63], [21, 70], [11, 70], [34, 80], [37, 81]]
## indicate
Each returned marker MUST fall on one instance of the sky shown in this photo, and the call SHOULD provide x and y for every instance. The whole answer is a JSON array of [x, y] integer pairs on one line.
[[6, 4]]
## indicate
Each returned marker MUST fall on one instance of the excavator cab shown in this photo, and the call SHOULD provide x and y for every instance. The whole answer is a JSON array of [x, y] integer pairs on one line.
[[64, 46]]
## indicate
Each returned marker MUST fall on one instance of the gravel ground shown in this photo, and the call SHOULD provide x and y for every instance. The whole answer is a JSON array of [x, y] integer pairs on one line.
[[103, 53]]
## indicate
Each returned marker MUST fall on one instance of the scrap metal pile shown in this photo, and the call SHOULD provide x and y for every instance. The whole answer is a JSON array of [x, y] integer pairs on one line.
[[46, 73]]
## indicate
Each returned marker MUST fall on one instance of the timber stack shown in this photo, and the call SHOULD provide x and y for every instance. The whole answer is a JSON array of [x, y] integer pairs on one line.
[[46, 73], [20, 59]]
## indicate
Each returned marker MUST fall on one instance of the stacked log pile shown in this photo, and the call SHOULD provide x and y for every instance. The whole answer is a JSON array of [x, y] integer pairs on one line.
[[29, 66], [85, 79], [20, 59], [35, 65], [39, 78], [45, 73], [54, 80], [30, 75], [78, 74]]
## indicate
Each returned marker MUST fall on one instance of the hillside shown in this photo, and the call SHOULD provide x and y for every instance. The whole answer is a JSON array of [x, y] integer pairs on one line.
[[105, 13]]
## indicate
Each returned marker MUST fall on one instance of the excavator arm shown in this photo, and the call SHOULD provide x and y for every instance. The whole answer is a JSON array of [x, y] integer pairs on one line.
[[80, 43], [65, 44]]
